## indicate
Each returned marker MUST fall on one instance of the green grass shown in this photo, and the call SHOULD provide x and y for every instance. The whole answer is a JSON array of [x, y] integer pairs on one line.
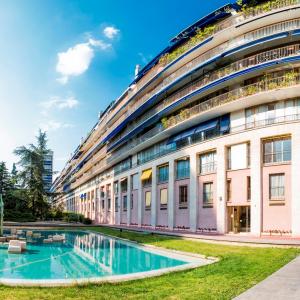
[[239, 268]]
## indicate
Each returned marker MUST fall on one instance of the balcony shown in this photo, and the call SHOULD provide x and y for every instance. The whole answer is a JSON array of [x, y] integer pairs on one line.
[[289, 80], [255, 11], [240, 65]]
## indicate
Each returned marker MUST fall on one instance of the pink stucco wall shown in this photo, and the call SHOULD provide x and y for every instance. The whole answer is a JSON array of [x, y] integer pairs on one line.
[[207, 216], [162, 214], [182, 216], [238, 187], [276, 217], [134, 210]]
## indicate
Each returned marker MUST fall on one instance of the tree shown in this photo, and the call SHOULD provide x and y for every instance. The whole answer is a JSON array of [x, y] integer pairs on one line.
[[5, 182], [31, 174]]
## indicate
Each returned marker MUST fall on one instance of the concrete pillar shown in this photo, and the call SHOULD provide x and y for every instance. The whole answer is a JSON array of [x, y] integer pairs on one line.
[[140, 200], [256, 186], [119, 203], [171, 196], [153, 197], [193, 192], [128, 200], [295, 201], [221, 189]]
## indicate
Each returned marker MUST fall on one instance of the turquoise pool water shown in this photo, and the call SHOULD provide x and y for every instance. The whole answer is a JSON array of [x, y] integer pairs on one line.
[[83, 255]]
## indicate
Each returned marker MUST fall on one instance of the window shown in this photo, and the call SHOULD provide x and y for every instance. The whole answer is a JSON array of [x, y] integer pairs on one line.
[[248, 188], [116, 204], [93, 194], [109, 204], [131, 201], [208, 162], [228, 190], [163, 198], [277, 150], [125, 203], [148, 200], [207, 194], [102, 192], [102, 204], [116, 187], [124, 186], [88, 195], [277, 189], [134, 182], [183, 196], [183, 169], [163, 174], [238, 156]]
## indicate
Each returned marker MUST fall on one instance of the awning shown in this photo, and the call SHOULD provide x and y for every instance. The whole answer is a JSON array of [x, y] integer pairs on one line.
[[206, 126], [146, 174]]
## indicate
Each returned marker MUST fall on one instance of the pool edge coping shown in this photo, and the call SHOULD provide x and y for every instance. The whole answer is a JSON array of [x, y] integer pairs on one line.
[[193, 260]]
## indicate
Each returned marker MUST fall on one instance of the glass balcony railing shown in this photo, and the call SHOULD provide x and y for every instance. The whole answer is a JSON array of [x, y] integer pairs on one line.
[[290, 79], [190, 65], [215, 75]]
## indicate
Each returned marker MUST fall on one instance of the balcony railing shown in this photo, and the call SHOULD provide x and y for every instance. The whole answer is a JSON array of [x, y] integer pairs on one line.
[[262, 86], [254, 11], [289, 79], [237, 66]]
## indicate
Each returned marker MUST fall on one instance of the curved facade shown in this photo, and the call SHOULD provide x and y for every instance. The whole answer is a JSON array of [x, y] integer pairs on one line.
[[207, 137]]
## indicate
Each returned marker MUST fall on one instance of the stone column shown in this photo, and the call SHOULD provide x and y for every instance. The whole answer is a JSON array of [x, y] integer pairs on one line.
[[295, 174], [171, 197], [153, 197], [119, 203], [256, 186], [140, 199], [193, 192], [128, 200], [221, 189]]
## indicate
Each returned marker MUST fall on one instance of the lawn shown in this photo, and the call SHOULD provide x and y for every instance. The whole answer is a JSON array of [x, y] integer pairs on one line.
[[239, 268]]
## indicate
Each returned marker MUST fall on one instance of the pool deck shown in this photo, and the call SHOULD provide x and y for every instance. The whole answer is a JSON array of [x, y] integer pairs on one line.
[[236, 239], [283, 284]]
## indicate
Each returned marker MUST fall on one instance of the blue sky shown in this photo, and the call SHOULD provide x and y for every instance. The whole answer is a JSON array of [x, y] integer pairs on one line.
[[61, 62]]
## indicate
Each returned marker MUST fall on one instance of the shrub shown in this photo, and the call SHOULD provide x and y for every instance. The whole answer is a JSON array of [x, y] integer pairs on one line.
[[72, 217], [17, 216], [87, 221]]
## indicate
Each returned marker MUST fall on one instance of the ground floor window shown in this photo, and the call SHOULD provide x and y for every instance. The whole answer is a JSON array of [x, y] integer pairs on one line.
[[102, 204], [148, 200], [125, 203], [277, 188], [183, 196], [163, 198], [207, 194], [116, 204], [109, 204]]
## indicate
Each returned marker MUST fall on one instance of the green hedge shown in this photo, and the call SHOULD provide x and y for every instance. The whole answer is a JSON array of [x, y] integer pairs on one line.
[[18, 216]]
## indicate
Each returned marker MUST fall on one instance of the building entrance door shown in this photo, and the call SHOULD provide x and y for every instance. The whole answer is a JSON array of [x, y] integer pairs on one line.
[[239, 219]]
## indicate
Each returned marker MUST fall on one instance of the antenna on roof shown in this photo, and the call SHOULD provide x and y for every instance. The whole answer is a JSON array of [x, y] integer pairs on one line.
[[137, 70]]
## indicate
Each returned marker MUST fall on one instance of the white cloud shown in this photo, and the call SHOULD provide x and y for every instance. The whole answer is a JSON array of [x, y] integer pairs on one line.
[[59, 103], [111, 32], [76, 60], [52, 125]]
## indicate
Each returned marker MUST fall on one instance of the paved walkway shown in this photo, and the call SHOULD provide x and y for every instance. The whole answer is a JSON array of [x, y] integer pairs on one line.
[[224, 238], [210, 237], [282, 285]]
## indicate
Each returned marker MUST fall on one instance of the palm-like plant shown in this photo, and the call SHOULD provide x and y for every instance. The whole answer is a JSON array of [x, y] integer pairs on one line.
[[32, 171]]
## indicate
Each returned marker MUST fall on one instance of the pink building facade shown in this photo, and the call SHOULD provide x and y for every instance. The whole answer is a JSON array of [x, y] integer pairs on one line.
[[207, 142]]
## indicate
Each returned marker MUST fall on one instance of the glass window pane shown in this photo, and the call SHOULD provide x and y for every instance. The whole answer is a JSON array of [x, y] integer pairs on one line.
[[164, 196]]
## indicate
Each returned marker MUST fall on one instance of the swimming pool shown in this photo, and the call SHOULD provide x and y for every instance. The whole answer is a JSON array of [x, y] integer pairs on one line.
[[87, 257]]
